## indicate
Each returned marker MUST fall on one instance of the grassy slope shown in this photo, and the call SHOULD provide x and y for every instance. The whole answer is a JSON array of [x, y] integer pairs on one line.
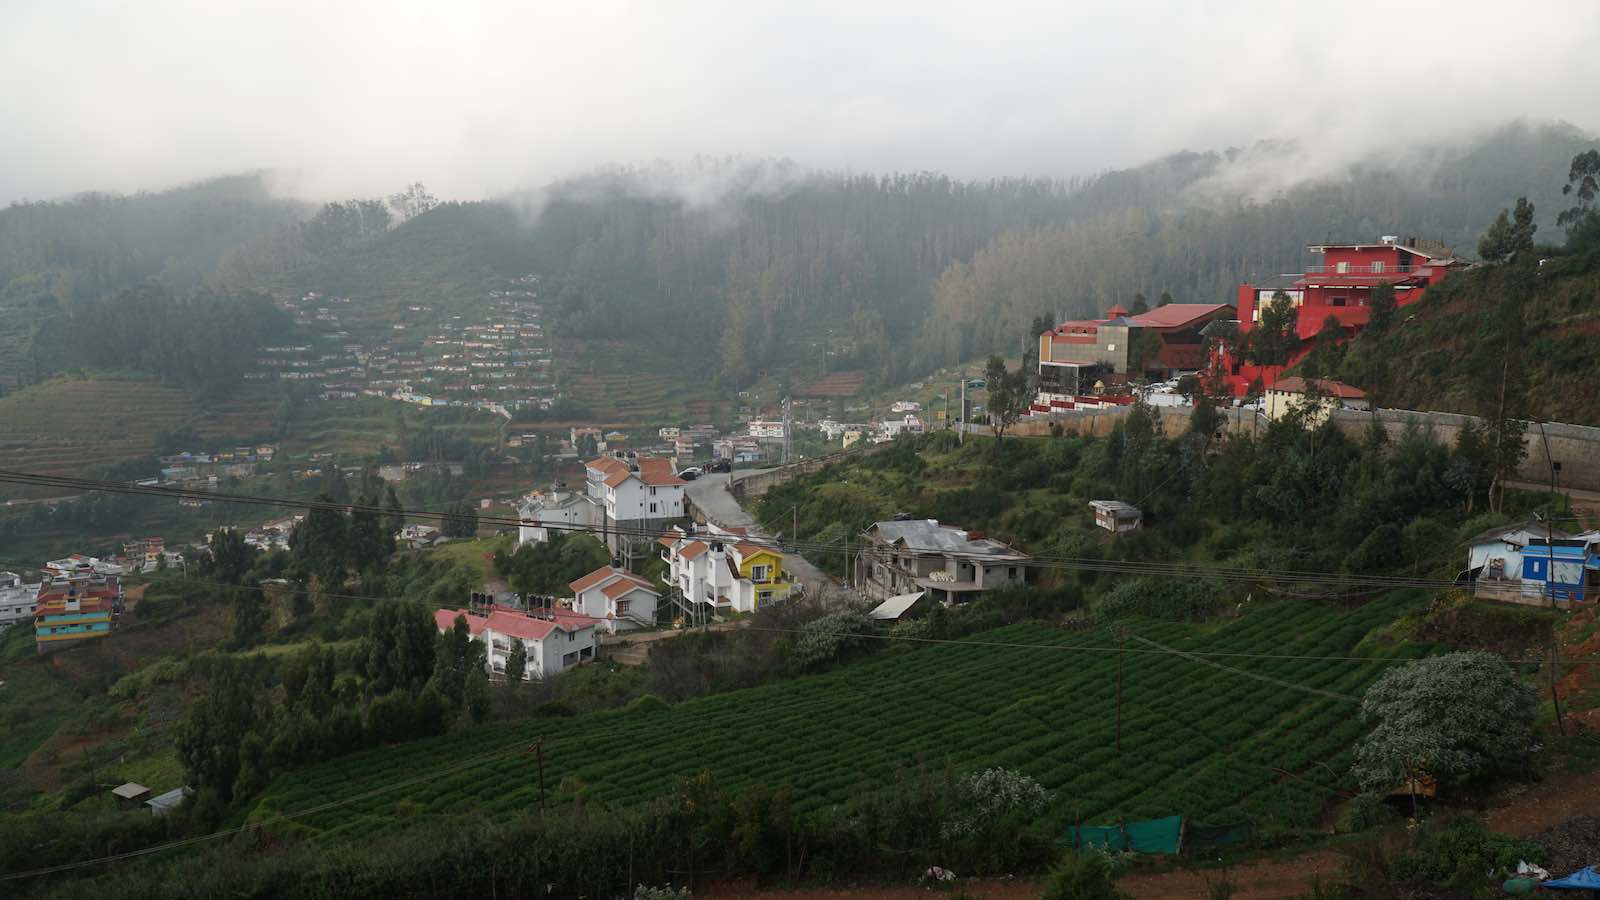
[[1197, 739], [1429, 349]]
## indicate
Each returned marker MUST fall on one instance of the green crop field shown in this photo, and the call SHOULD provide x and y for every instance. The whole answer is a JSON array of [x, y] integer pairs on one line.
[[1197, 739]]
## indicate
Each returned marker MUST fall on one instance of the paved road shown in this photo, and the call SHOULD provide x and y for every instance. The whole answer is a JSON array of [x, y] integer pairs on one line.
[[709, 494]]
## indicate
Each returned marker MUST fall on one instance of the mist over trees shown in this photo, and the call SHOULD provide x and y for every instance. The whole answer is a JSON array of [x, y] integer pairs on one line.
[[765, 265]]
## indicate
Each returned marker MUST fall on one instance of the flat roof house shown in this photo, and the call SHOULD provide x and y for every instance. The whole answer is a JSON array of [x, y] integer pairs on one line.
[[952, 565]]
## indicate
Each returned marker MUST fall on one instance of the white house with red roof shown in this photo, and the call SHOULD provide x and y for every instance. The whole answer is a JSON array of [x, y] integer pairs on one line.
[[723, 569], [1316, 398], [618, 599], [554, 640], [635, 496]]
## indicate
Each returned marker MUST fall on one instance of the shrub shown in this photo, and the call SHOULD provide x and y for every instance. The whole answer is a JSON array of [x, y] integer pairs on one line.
[[1161, 598], [830, 638], [1462, 853], [1367, 810], [1082, 876]]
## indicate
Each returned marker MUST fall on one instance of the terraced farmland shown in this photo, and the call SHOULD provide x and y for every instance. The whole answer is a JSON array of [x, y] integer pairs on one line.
[[1199, 739], [70, 425]]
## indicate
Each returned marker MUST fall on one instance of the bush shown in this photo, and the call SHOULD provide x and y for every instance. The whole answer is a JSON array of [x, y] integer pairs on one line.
[[1463, 854], [1161, 598], [1082, 876], [1367, 810], [831, 638]]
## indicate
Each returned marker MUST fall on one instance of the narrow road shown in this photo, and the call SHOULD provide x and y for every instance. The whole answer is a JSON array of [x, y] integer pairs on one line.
[[709, 493]]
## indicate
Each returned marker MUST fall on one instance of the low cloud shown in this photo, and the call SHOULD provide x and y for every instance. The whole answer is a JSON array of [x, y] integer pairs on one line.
[[480, 100]]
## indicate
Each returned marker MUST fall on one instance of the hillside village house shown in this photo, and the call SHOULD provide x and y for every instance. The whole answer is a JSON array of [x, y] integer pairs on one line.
[[952, 565], [78, 564], [18, 600], [1116, 516], [555, 510], [1534, 564], [1340, 287], [637, 495], [1316, 398], [1080, 359], [75, 608], [723, 570], [554, 640], [618, 599]]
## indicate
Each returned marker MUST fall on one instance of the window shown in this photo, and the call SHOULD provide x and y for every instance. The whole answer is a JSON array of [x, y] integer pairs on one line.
[[1338, 301], [1377, 267], [652, 507], [1342, 267], [1111, 347], [652, 492], [760, 573]]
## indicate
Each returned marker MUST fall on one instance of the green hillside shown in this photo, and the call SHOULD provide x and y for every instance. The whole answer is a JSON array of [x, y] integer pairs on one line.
[[1207, 741], [1432, 358]]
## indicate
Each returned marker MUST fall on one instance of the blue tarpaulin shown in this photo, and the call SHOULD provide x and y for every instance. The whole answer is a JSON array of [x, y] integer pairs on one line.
[[1584, 879]]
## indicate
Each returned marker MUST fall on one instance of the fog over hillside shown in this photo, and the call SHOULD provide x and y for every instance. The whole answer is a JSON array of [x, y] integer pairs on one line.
[[477, 99]]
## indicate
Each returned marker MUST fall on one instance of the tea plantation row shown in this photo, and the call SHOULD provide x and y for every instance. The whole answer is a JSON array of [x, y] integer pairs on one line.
[[1197, 739]]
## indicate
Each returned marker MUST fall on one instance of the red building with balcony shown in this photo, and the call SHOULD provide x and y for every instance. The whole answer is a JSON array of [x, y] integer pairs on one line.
[[1340, 287]]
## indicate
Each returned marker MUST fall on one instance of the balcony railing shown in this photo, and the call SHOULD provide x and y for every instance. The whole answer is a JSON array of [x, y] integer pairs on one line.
[[1358, 269]]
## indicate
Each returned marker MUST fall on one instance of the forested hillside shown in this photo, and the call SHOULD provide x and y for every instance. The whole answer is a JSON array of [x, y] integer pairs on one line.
[[761, 266], [57, 256]]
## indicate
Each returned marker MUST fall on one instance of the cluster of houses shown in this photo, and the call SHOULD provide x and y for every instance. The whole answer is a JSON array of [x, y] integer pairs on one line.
[[1534, 563], [500, 364], [1094, 363], [873, 432], [70, 604]]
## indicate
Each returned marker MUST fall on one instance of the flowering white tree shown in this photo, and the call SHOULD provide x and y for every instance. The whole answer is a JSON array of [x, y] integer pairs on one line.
[[1453, 718]]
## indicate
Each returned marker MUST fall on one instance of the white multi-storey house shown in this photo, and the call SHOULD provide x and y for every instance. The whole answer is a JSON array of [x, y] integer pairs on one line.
[[635, 496], [554, 640], [556, 510], [617, 598], [18, 600], [723, 569]]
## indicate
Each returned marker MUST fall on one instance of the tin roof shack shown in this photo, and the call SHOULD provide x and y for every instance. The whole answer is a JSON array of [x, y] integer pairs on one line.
[[1115, 516], [162, 804], [131, 795]]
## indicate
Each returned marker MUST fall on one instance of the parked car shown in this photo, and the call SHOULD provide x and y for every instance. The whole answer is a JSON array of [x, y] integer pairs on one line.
[[720, 465], [689, 474]]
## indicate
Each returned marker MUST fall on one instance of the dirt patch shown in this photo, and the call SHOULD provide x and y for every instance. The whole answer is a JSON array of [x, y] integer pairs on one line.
[[1571, 845], [1262, 879]]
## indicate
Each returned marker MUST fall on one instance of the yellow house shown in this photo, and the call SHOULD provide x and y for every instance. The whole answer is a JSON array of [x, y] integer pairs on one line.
[[762, 579]]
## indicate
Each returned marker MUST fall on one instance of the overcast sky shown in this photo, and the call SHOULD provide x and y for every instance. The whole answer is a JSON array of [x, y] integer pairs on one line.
[[472, 98]]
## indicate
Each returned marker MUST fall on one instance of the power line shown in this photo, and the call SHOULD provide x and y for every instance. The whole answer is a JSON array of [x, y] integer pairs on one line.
[[1178, 570]]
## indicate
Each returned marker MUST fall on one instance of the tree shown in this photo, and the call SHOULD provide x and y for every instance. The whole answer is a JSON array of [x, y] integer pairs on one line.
[[1144, 346], [1510, 235], [1382, 307], [321, 542], [1273, 339], [1498, 379], [1166, 299], [394, 518], [1141, 305], [1455, 718], [400, 646], [250, 616], [461, 521], [412, 202], [1325, 350], [1583, 183], [370, 542], [1008, 396], [231, 557], [517, 663]]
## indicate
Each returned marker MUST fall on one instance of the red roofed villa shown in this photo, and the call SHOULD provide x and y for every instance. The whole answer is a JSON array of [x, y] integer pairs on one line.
[[554, 640], [616, 598]]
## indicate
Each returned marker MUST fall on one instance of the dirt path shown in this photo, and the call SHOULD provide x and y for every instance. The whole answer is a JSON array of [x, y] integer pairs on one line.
[[1262, 879]]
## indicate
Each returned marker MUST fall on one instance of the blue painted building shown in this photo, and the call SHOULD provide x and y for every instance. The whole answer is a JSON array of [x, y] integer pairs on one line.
[[1563, 568]]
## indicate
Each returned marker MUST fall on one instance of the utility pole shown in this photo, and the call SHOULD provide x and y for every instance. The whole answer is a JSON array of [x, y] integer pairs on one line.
[[538, 750], [961, 436], [1555, 665]]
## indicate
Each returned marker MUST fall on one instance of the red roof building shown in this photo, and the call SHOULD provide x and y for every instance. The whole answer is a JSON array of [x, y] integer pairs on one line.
[[553, 640], [1341, 288]]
